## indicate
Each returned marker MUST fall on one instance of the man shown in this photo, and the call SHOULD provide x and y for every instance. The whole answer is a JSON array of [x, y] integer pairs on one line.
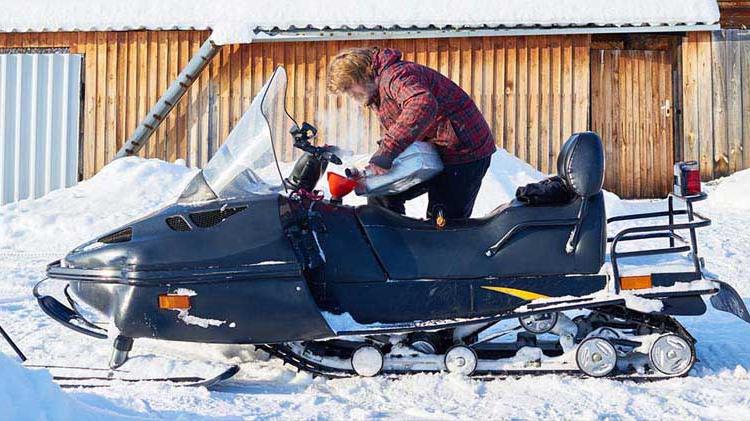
[[416, 103]]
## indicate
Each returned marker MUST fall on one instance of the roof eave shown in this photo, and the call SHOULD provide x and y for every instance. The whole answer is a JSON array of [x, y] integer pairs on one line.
[[369, 34]]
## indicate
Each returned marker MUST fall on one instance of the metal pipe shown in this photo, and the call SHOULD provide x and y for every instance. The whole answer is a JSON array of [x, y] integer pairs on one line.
[[169, 99], [12, 344]]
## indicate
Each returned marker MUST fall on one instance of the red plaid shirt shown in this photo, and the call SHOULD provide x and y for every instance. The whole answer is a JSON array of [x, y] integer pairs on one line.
[[415, 102]]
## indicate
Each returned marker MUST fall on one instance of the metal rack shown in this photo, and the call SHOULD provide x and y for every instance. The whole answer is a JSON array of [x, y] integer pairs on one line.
[[677, 243]]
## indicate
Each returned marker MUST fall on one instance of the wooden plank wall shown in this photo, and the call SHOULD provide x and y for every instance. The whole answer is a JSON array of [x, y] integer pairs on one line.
[[716, 101], [735, 13], [534, 91]]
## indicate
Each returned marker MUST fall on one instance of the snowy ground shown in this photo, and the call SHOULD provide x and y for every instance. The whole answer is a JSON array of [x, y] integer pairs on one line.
[[32, 233]]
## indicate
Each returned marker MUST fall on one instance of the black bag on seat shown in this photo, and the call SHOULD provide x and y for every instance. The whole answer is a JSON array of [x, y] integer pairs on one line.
[[553, 190]]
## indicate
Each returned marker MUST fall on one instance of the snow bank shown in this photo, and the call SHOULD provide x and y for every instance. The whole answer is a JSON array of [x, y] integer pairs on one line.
[[124, 190], [238, 20], [130, 188], [730, 193], [31, 395]]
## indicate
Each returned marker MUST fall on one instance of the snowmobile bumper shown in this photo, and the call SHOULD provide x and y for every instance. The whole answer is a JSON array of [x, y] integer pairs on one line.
[[68, 317], [728, 300]]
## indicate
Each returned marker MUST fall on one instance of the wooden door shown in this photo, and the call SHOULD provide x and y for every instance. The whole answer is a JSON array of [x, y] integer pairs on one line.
[[631, 109]]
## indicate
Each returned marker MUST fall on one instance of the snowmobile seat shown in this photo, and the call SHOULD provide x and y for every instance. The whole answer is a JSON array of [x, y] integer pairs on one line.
[[513, 240], [581, 163]]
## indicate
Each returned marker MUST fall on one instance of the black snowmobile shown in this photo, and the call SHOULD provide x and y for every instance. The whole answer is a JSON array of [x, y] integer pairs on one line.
[[243, 257]]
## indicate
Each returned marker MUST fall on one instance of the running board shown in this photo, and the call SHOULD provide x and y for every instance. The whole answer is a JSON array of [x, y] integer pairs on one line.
[[547, 306]]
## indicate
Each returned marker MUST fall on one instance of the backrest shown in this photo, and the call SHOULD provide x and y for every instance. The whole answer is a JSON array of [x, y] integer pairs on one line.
[[581, 163]]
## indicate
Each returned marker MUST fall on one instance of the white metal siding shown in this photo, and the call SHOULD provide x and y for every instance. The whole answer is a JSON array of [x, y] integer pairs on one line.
[[40, 97]]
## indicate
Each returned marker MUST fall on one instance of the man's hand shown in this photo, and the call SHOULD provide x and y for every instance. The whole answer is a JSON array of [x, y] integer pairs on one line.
[[373, 169]]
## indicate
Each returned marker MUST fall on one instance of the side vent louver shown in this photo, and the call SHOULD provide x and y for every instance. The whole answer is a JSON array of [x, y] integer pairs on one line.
[[122, 236], [178, 223], [210, 218]]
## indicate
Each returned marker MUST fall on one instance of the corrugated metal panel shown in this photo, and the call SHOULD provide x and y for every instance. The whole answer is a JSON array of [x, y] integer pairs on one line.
[[39, 123]]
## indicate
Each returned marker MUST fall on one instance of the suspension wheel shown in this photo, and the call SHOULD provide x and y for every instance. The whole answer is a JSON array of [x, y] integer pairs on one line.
[[367, 361], [596, 357], [672, 354], [461, 359], [539, 323]]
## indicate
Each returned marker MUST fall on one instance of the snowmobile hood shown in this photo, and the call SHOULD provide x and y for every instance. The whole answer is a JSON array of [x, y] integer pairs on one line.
[[213, 238]]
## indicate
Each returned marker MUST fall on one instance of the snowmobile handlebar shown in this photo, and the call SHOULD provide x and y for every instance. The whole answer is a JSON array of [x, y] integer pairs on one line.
[[303, 135]]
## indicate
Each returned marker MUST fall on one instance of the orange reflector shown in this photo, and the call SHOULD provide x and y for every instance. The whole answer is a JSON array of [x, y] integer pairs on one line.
[[178, 302], [636, 282]]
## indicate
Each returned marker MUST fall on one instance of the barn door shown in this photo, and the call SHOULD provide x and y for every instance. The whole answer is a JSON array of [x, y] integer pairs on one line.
[[631, 109]]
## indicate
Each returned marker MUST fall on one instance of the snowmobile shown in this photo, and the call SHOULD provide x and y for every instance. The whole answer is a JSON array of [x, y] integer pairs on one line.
[[248, 256]]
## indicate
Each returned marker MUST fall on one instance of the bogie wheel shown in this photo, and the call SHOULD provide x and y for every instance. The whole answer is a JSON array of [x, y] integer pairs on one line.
[[672, 355], [367, 361], [461, 359], [596, 357], [539, 323]]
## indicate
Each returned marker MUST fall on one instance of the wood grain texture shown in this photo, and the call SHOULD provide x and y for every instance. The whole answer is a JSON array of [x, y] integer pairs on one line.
[[533, 91], [629, 90]]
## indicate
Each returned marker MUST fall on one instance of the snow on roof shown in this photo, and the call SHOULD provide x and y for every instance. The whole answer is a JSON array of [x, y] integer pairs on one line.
[[242, 20]]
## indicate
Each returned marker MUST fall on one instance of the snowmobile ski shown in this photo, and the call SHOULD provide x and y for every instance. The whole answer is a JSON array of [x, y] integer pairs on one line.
[[98, 380]]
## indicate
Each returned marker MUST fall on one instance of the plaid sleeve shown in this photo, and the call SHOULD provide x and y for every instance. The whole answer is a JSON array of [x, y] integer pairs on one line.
[[418, 112]]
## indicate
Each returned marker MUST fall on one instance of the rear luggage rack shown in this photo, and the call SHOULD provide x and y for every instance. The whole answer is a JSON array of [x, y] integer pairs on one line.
[[677, 243]]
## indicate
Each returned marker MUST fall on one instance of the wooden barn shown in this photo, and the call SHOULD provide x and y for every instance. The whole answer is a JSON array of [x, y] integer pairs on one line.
[[660, 84]]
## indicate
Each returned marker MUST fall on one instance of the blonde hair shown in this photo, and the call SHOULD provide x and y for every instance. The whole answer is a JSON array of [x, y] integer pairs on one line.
[[350, 67]]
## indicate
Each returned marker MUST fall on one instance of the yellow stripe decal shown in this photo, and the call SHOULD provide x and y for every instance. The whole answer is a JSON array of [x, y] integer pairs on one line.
[[524, 295]]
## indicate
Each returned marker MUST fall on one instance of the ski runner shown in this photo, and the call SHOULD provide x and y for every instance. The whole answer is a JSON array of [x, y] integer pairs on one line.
[[414, 103]]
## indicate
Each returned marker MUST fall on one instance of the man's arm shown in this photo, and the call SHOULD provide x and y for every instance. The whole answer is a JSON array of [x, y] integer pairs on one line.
[[418, 111]]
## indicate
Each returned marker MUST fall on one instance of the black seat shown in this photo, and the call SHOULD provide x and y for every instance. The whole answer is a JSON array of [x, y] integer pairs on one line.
[[414, 249]]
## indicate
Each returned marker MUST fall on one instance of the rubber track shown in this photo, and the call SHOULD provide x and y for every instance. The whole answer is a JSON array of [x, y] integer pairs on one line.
[[317, 370], [284, 353]]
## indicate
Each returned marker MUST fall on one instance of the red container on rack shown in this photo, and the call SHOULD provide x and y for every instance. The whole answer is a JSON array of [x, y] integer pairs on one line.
[[687, 178]]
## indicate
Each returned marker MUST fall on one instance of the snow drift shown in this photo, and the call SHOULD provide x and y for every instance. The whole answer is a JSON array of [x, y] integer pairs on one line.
[[132, 187], [730, 193], [31, 394], [123, 190]]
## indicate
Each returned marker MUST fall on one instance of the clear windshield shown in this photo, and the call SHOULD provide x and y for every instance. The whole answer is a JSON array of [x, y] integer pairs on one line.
[[246, 162]]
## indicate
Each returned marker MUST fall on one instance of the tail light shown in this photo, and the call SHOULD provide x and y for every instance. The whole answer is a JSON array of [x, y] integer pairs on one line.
[[687, 178]]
